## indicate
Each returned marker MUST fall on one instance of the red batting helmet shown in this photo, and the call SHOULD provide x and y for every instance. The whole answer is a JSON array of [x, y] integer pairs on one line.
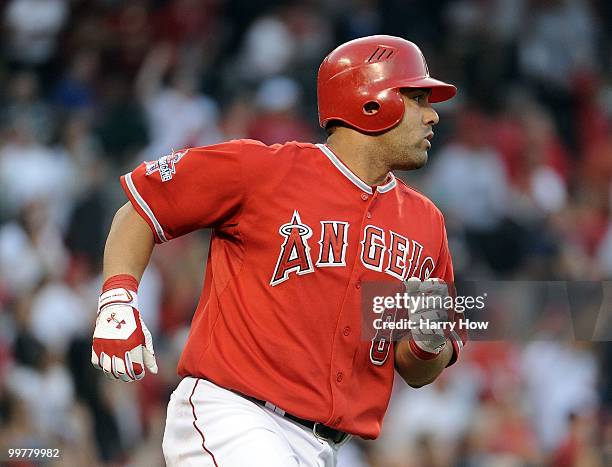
[[359, 82]]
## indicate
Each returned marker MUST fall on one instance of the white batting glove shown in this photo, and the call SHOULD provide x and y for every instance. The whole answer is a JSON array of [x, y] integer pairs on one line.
[[122, 344], [425, 317]]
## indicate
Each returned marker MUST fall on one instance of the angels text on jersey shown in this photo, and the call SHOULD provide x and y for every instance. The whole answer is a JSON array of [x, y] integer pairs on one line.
[[380, 250]]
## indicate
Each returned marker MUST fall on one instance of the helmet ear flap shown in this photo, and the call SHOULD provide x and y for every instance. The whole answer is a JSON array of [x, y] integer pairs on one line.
[[379, 111], [389, 112]]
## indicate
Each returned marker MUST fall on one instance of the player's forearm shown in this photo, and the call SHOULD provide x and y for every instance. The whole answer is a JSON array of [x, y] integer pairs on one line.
[[129, 244], [417, 372]]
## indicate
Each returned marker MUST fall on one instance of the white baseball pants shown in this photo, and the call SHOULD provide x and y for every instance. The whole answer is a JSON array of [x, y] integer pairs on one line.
[[209, 426]]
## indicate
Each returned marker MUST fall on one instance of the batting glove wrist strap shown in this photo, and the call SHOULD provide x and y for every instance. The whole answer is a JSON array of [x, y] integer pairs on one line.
[[420, 353], [117, 297], [457, 343]]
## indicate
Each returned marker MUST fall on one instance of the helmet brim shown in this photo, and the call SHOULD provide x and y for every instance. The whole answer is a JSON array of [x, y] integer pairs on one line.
[[440, 91]]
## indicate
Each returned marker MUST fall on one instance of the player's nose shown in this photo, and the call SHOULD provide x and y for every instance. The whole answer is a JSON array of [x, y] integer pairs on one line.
[[430, 116]]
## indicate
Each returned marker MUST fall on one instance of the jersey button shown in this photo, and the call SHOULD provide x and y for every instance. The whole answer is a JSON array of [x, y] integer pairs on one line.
[[369, 215], [339, 376], [346, 331], [358, 284], [337, 421], [364, 196]]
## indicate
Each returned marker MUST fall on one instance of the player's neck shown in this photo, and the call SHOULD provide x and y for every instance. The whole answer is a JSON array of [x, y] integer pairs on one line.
[[359, 154]]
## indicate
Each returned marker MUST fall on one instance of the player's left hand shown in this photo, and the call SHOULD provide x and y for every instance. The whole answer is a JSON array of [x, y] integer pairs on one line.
[[122, 344], [427, 317]]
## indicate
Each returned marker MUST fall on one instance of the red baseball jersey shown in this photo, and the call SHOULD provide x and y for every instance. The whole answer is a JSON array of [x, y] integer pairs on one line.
[[295, 234]]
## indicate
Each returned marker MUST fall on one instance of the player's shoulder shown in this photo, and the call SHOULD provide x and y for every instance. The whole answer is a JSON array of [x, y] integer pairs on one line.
[[252, 146], [277, 155], [279, 148], [414, 196]]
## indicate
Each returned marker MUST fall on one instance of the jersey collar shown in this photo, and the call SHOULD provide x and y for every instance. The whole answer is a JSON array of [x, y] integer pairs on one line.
[[389, 183]]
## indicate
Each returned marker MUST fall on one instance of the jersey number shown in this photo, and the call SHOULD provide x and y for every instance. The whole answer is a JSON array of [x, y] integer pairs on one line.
[[381, 342]]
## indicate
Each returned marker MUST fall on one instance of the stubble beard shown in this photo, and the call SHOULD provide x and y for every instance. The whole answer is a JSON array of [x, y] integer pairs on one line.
[[414, 159]]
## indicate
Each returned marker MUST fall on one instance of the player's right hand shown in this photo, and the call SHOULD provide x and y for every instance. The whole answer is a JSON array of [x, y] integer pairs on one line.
[[122, 344], [428, 313]]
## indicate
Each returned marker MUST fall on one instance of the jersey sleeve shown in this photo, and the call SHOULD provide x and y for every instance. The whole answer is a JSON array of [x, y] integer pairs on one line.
[[444, 264], [188, 190], [444, 271]]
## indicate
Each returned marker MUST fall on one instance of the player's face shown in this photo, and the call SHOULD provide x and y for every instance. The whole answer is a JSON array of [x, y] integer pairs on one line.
[[408, 142]]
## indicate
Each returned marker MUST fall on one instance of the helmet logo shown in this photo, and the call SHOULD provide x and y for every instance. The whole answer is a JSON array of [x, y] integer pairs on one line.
[[425, 65], [381, 53]]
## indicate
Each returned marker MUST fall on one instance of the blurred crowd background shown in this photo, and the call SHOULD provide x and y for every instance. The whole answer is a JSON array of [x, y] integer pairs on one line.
[[521, 165]]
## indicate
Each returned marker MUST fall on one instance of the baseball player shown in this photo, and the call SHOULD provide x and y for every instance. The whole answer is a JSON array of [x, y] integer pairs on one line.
[[276, 370]]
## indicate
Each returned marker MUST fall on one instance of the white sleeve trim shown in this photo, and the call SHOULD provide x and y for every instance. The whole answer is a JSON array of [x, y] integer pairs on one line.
[[145, 207]]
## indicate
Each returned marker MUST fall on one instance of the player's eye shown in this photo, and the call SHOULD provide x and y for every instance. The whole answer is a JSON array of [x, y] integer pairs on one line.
[[420, 97]]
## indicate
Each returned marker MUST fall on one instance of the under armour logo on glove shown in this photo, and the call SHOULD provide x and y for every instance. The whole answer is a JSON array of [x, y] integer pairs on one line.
[[112, 318], [122, 344]]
